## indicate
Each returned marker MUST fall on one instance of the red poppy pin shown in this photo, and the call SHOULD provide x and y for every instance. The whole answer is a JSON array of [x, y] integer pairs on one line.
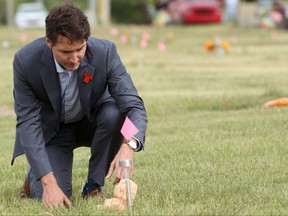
[[87, 77]]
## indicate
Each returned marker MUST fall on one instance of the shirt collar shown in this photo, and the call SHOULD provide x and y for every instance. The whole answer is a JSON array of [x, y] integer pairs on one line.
[[59, 68]]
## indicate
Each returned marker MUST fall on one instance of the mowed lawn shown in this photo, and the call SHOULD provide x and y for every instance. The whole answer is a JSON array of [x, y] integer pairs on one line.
[[210, 147]]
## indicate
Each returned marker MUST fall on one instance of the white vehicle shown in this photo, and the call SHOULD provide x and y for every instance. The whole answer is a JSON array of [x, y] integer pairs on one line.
[[31, 15]]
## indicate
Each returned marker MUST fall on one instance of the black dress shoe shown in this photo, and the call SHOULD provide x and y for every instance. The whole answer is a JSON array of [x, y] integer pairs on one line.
[[96, 193], [92, 189]]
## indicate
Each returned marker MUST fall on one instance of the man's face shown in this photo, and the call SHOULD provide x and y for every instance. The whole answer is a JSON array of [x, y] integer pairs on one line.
[[68, 53]]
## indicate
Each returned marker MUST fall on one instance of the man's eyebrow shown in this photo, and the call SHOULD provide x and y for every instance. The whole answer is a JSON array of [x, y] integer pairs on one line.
[[82, 46]]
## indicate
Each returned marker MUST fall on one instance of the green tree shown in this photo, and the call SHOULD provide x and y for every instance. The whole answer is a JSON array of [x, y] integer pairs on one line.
[[130, 11]]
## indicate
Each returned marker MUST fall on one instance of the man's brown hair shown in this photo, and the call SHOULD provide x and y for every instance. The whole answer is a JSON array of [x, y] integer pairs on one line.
[[68, 21]]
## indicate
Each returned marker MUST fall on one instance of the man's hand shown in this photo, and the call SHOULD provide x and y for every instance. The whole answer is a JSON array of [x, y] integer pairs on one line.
[[53, 196], [124, 153]]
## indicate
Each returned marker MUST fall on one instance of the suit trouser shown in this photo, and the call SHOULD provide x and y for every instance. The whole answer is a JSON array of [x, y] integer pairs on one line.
[[102, 136]]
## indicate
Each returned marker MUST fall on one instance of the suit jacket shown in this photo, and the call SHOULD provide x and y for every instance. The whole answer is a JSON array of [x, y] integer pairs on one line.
[[37, 95]]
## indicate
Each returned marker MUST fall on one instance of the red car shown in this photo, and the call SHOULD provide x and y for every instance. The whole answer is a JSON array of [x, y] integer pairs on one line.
[[202, 12]]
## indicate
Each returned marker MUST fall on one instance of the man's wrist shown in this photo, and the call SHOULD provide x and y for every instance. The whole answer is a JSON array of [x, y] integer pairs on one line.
[[132, 143], [49, 178]]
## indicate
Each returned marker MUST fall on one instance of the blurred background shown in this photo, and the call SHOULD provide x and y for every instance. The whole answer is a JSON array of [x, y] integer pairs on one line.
[[244, 13]]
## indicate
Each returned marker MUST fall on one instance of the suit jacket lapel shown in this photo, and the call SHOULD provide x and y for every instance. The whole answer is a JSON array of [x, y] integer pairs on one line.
[[85, 89], [50, 80]]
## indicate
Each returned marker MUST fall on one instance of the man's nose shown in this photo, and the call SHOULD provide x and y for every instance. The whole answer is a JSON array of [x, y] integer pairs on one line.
[[74, 57]]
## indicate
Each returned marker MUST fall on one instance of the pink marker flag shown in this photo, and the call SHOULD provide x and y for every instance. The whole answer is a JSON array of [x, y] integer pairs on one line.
[[128, 129], [161, 47]]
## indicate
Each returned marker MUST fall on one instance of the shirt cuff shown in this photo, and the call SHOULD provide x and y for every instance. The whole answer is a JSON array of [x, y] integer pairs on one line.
[[139, 145]]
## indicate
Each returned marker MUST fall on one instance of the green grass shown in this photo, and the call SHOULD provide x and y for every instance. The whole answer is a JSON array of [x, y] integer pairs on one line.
[[210, 148]]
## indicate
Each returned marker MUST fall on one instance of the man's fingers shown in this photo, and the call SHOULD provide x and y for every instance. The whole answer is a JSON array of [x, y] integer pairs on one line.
[[109, 174], [51, 205], [131, 171], [116, 180], [47, 204], [67, 202], [119, 175], [111, 169]]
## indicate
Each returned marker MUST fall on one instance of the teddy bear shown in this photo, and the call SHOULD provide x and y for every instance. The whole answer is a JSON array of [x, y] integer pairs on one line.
[[119, 201]]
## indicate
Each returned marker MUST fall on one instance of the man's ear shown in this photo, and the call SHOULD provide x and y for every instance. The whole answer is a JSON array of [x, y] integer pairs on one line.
[[49, 43]]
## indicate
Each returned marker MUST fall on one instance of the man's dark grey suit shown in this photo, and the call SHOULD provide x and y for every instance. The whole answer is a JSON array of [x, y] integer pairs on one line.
[[38, 105]]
